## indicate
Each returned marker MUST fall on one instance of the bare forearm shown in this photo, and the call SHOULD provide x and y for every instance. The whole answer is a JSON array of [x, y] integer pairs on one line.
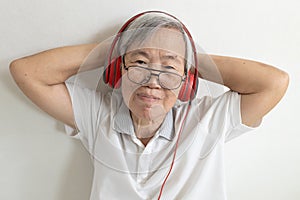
[[261, 86], [42, 77], [52, 66], [241, 75]]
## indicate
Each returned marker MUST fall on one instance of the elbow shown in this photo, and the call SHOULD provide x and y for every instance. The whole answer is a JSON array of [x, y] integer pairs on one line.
[[283, 81], [286, 79], [14, 67], [18, 71], [280, 83]]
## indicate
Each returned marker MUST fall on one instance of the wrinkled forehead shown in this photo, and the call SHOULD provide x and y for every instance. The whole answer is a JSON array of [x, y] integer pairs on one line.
[[168, 40]]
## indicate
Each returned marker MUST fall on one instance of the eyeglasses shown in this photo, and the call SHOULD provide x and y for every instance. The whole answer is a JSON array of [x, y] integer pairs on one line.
[[142, 75]]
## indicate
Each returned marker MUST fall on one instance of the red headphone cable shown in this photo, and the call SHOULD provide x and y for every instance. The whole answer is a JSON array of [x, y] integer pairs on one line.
[[174, 155]]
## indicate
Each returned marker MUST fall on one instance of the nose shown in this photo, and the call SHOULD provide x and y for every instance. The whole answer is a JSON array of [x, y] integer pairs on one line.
[[153, 81]]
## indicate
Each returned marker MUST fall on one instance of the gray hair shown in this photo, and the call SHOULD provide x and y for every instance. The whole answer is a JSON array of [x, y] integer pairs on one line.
[[147, 24]]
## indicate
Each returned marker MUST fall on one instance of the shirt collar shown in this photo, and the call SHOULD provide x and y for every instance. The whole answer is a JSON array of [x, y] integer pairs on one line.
[[123, 123]]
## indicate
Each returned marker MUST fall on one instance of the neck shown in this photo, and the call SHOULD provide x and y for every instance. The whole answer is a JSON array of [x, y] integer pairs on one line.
[[146, 129]]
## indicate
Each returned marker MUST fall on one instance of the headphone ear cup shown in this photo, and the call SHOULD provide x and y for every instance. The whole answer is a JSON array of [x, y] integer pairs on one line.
[[189, 87], [112, 73]]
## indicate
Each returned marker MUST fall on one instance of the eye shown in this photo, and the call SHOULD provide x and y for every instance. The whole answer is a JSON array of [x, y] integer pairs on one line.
[[140, 62], [169, 67], [172, 69]]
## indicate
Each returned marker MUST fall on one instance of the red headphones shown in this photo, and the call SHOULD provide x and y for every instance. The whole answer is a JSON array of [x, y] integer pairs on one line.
[[112, 73]]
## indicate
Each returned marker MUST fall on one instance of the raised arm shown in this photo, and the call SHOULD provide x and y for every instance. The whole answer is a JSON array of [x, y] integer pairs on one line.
[[41, 77], [261, 86]]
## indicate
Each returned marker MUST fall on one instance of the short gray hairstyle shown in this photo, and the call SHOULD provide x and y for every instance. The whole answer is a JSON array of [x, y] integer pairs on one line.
[[144, 26]]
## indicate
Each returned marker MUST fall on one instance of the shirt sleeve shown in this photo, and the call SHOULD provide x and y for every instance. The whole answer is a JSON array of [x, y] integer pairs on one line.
[[222, 116], [86, 104], [234, 108]]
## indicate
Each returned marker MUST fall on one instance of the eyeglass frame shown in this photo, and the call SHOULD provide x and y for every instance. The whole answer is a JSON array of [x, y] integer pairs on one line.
[[183, 78]]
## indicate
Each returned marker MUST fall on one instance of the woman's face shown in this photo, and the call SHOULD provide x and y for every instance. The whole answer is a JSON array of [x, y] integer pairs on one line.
[[164, 51]]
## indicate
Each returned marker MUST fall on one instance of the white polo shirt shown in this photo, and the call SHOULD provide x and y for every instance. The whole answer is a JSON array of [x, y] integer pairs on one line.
[[125, 169]]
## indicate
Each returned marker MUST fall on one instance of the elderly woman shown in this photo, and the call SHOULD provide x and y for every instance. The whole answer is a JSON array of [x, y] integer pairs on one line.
[[151, 136]]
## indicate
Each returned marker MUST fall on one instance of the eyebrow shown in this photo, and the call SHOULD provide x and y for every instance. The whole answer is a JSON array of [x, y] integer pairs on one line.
[[139, 52], [168, 55]]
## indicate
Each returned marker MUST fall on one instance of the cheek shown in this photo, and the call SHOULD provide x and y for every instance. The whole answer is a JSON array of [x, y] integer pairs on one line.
[[171, 98], [127, 89]]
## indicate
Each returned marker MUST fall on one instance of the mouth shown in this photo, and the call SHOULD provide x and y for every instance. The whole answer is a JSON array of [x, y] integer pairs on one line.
[[148, 98]]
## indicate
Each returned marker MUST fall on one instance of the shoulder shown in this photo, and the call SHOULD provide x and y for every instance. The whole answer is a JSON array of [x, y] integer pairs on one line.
[[221, 102]]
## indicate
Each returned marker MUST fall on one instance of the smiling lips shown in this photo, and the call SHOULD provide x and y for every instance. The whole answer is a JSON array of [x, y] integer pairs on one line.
[[148, 97]]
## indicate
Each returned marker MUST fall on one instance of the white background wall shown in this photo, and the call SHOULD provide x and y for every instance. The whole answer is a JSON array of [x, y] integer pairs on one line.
[[37, 161]]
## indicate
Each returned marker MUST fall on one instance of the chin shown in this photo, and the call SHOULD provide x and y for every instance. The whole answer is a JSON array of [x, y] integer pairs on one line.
[[148, 112]]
